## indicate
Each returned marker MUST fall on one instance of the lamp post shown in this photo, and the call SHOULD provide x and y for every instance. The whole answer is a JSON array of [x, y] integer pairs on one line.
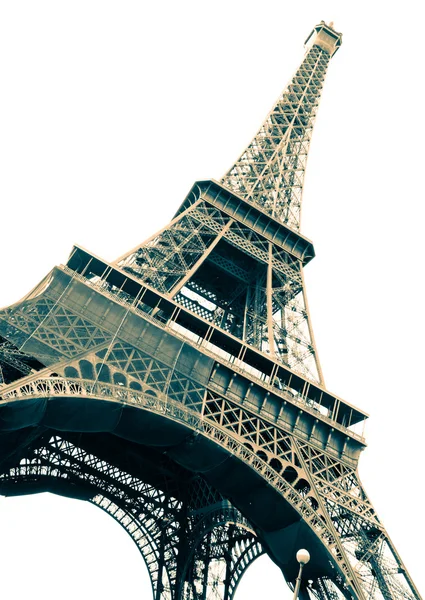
[[303, 557]]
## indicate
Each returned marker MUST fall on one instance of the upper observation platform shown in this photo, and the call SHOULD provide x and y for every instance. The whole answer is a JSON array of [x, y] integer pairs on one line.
[[325, 37]]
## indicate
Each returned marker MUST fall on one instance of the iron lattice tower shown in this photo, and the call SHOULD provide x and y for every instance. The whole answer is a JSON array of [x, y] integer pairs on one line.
[[179, 388]]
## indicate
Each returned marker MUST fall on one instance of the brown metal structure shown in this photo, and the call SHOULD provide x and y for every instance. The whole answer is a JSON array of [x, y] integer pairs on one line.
[[179, 388]]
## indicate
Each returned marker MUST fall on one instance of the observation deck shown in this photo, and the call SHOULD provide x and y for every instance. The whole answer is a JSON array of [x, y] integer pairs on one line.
[[302, 406]]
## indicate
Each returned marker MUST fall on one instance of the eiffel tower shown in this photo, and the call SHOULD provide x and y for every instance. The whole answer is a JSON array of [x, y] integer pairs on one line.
[[179, 387]]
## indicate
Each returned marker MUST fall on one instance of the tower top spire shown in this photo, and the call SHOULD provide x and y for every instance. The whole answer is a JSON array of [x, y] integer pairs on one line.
[[325, 37], [270, 172]]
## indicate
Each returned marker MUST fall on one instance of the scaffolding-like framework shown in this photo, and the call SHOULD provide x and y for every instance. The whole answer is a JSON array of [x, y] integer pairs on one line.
[[179, 388]]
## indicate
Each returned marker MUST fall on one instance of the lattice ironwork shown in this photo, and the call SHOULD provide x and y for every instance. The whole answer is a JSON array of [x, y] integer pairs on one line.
[[270, 172], [170, 536], [239, 280], [341, 517], [179, 388], [202, 247], [15, 363], [61, 330]]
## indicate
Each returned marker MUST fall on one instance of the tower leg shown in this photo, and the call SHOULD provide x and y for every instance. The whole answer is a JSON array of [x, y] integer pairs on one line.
[[217, 559]]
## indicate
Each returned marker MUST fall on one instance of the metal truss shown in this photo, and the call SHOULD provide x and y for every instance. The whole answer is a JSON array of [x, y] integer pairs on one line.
[[164, 334], [192, 549], [14, 363], [62, 331], [60, 465], [203, 254], [270, 172], [327, 494]]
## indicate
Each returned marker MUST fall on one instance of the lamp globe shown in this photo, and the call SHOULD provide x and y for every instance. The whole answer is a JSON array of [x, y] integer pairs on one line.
[[303, 556]]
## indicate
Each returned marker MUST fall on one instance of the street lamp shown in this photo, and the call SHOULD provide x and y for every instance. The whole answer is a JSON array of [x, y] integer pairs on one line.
[[303, 557]]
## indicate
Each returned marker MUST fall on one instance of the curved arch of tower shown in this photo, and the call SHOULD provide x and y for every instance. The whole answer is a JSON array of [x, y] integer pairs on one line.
[[179, 388]]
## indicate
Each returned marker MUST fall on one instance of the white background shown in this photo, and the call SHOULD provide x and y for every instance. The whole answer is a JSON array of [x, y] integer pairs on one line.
[[109, 111]]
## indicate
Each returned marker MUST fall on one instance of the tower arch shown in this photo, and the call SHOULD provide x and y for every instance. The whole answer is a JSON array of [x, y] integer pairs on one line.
[[173, 421]]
